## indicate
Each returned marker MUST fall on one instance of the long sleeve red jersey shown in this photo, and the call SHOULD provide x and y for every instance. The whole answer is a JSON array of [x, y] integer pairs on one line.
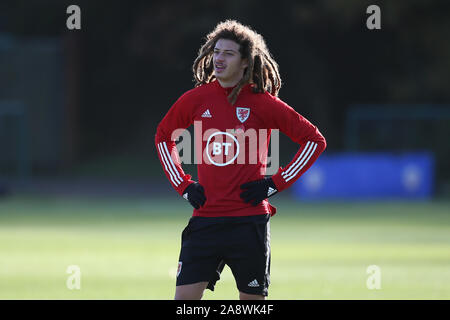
[[232, 143]]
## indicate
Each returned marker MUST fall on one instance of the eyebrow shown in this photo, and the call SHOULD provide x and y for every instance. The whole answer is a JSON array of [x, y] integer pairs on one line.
[[226, 50]]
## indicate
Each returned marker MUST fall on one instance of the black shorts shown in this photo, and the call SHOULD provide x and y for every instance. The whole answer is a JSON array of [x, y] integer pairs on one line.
[[243, 243]]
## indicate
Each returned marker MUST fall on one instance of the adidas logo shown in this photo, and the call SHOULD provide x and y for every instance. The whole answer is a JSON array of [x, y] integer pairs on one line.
[[186, 196], [271, 191], [206, 114], [254, 283]]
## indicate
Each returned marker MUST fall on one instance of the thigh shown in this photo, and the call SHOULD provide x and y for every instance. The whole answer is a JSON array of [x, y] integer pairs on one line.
[[192, 291], [200, 258], [249, 257]]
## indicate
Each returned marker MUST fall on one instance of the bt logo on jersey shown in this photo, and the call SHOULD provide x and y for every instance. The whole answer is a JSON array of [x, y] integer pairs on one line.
[[218, 146], [231, 146]]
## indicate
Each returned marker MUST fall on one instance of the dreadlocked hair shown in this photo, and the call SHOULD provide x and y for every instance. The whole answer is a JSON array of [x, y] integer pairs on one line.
[[262, 70]]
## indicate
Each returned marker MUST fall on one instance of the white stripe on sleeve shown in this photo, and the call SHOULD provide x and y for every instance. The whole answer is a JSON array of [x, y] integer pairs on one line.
[[299, 169], [171, 162], [168, 170], [299, 160]]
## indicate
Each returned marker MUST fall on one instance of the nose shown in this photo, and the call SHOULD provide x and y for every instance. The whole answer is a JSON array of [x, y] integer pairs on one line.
[[219, 57]]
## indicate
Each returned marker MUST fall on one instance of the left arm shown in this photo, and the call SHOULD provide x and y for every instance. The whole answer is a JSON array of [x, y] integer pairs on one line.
[[312, 143], [300, 130]]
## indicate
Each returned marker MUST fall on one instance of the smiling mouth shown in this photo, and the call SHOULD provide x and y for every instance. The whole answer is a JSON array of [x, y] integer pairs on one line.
[[219, 67]]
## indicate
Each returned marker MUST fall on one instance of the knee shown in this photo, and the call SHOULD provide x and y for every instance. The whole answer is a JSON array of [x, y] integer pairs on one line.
[[188, 295], [246, 296], [190, 291]]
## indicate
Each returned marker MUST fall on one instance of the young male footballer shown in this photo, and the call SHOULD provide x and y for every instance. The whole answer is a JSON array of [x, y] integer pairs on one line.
[[235, 102]]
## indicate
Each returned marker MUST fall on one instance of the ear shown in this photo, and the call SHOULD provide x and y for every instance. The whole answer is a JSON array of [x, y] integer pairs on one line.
[[244, 63]]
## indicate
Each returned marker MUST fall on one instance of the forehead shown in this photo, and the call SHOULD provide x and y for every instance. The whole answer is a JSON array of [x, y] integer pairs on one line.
[[226, 44]]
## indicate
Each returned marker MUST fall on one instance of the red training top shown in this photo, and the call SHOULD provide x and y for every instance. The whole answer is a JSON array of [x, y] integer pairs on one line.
[[231, 145]]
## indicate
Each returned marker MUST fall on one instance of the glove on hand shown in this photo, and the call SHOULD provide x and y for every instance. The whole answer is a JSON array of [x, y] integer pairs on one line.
[[257, 191], [195, 194]]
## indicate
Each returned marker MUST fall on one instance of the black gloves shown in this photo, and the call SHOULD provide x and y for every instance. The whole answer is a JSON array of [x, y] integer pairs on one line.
[[254, 192], [195, 194], [257, 191]]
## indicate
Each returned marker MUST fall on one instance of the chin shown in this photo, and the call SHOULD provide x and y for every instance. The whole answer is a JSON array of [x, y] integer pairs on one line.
[[218, 75], [222, 75]]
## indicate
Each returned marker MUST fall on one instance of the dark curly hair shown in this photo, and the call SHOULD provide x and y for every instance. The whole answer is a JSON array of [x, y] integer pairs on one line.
[[262, 69]]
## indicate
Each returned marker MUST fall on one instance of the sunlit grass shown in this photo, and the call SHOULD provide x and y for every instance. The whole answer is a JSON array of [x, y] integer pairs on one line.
[[128, 249]]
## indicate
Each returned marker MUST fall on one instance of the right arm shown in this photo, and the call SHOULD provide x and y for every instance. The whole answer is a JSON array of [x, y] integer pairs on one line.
[[180, 116]]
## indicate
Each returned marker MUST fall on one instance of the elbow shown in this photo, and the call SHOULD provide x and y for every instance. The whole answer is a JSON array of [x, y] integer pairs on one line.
[[159, 135], [324, 146], [322, 142]]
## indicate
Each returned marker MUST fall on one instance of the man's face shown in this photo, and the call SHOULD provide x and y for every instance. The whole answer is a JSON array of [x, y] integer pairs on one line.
[[228, 65]]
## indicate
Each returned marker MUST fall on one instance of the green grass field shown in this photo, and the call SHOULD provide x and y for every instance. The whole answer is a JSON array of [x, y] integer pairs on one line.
[[128, 249]]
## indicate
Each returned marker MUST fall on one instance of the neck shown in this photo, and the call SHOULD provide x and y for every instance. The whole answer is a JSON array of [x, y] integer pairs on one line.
[[229, 83]]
